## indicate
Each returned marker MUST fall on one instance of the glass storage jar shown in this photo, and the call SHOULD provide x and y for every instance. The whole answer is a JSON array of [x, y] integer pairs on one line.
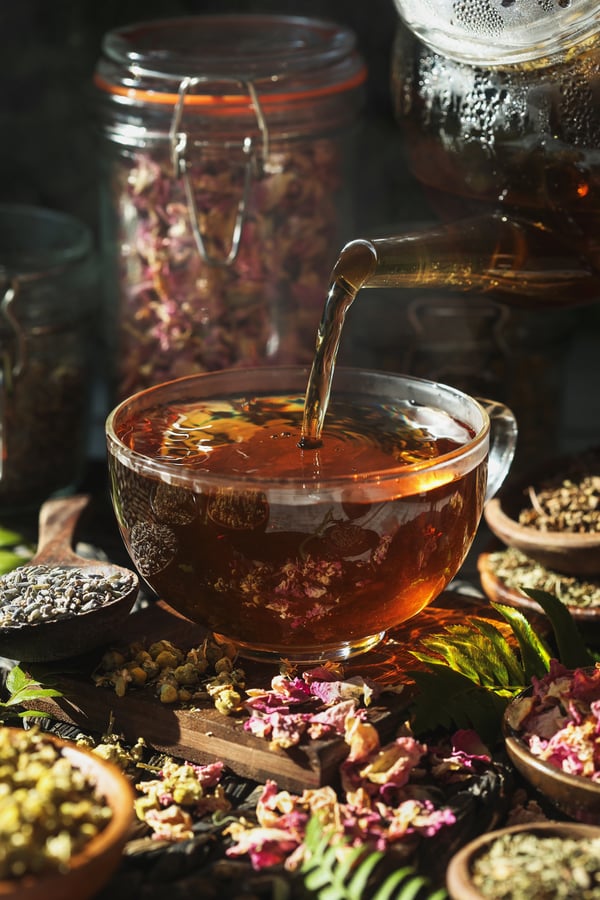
[[46, 305], [228, 167]]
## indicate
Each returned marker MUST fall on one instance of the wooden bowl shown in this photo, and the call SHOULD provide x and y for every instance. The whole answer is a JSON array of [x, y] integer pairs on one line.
[[67, 637], [575, 795], [586, 618], [563, 551], [459, 876], [93, 866]]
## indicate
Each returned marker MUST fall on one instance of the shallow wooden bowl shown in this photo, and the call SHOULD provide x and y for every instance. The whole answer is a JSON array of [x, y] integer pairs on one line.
[[92, 868], [575, 795], [64, 638], [459, 877], [573, 554], [586, 618]]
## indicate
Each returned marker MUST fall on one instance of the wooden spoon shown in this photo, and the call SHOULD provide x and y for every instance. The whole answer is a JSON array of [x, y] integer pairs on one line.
[[73, 635]]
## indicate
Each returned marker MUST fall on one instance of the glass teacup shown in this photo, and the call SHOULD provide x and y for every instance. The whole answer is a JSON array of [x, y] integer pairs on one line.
[[306, 555]]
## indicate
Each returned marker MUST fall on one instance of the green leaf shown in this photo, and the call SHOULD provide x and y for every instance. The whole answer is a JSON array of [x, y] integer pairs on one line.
[[36, 692], [479, 651], [10, 538], [448, 699], [387, 891], [10, 561], [535, 655], [357, 880], [413, 888], [16, 679], [332, 875], [572, 651], [22, 688], [33, 713], [503, 659]]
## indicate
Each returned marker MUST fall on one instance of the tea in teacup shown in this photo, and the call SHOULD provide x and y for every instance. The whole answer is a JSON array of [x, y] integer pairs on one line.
[[305, 554]]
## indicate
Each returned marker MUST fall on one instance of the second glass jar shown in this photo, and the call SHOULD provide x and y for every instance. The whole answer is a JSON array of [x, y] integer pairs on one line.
[[229, 155]]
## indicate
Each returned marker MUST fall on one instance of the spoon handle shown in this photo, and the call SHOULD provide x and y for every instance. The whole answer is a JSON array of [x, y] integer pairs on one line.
[[56, 526]]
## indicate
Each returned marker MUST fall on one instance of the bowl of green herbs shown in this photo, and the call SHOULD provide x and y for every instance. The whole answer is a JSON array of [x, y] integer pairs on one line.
[[533, 860]]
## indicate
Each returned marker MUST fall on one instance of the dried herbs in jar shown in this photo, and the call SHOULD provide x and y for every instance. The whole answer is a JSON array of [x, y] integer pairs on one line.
[[228, 153], [46, 305]]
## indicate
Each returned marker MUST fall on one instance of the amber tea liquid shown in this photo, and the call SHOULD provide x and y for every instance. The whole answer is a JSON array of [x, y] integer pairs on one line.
[[285, 550]]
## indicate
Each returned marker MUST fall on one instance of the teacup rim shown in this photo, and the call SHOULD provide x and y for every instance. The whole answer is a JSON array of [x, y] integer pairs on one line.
[[134, 460]]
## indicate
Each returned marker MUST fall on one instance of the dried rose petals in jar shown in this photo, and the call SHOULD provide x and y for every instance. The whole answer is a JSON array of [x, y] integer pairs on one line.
[[229, 147]]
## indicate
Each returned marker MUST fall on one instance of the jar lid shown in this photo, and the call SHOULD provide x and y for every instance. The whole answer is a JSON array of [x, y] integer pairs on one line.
[[286, 60], [46, 267], [35, 241]]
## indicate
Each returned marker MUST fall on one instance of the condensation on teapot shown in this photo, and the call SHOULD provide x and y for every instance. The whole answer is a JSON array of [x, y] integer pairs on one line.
[[496, 32]]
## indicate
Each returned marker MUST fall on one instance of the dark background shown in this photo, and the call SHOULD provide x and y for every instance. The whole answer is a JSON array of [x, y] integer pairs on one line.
[[48, 156], [48, 51]]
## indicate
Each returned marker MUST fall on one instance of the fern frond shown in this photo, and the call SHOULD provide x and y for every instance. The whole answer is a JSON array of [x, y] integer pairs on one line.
[[334, 870]]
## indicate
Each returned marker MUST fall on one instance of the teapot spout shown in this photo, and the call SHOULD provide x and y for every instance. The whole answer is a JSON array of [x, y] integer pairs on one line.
[[520, 263]]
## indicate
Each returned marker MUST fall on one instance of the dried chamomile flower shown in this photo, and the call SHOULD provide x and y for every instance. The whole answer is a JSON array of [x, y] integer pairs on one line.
[[182, 793], [177, 676]]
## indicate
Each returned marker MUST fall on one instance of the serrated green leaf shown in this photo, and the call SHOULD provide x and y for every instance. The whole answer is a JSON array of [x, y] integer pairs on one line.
[[479, 651], [535, 655], [505, 659], [453, 654], [572, 651]]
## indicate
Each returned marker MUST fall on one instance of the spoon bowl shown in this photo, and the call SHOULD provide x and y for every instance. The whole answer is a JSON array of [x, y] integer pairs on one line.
[[75, 634]]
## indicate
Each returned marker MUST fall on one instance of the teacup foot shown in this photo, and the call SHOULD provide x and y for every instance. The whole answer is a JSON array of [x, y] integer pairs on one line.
[[304, 656]]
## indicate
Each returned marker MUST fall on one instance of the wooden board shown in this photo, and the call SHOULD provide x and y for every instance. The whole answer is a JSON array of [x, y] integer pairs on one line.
[[203, 735]]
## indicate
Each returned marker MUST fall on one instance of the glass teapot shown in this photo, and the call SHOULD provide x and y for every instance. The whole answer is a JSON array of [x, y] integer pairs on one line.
[[499, 102]]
